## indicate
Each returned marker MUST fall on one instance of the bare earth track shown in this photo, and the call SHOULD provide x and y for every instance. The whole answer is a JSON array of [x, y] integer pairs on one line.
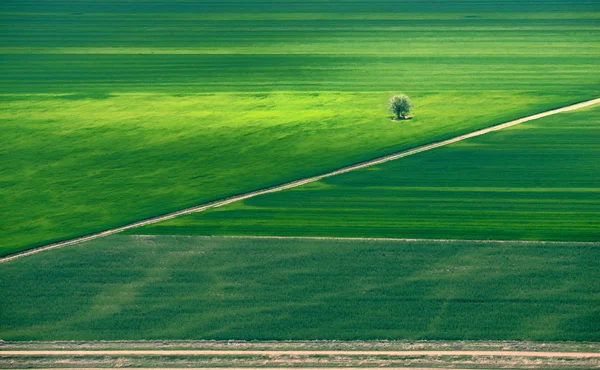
[[160, 354], [298, 353], [313, 359], [262, 368], [222, 202]]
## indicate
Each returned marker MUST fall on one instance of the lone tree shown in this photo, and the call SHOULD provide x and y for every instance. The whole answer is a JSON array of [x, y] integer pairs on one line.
[[400, 105]]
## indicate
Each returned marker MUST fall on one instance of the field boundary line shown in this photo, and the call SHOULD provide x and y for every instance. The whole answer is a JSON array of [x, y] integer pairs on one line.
[[383, 239], [292, 184], [295, 353]]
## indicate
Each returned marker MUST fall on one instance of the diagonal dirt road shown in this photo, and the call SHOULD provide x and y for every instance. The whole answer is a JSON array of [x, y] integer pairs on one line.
[[373, 162], [296, 353]]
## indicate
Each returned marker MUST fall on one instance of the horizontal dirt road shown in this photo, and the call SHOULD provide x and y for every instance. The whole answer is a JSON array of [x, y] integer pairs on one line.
[[373, 162], [297, 353], [263, 368]]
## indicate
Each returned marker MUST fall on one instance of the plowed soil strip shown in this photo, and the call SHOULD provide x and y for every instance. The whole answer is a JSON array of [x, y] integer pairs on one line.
[[297, 353], [373, 162]]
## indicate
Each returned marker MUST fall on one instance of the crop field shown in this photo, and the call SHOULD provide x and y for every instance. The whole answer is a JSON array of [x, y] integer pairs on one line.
[[180, 287], [117, 111], [467, 236], [538, 181]]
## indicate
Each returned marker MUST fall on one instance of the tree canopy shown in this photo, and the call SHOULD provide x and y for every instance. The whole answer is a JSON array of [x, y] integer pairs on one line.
[[400, 105]]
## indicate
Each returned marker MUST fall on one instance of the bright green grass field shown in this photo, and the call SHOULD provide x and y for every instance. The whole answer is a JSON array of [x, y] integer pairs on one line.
[[177, 287], [539, 181], [115, 112]]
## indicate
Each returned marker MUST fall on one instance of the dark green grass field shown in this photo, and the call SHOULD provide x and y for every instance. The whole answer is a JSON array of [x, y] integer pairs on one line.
[[113, 112], [539, 181], [178, 287]]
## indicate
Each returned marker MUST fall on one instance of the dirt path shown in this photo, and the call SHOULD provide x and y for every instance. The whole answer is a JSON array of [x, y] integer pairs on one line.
[[297, 353], [263, 368], [376, 161]]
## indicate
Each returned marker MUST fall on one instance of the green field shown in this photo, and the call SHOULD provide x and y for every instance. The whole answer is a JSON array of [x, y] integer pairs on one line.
[[539, 181], [112, 113], [178, 287]]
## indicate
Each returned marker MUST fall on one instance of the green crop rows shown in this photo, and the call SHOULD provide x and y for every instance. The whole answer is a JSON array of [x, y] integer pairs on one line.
[[179, 287], [539, 181], [114, 112]]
